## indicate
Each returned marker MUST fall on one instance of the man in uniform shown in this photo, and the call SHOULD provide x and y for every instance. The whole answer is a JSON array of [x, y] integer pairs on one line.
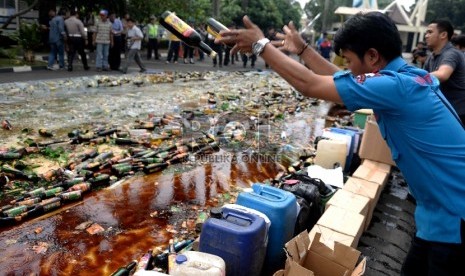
[[152, 38], [77, 40]]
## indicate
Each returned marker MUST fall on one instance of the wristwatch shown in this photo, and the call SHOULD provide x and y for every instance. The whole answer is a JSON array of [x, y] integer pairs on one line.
[[259, 46]]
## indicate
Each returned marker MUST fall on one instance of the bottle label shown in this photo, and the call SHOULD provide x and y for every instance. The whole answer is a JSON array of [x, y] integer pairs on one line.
[[74, 195], [51, 205], [13, 212], [53, 191], [213, 32], [179, 25]]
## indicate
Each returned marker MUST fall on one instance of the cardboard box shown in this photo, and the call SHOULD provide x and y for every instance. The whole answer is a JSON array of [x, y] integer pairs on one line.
[[373, 146], [372, 174], [308, 258], [328, 236], [365, 188], [343, 221], [377, 165], [347, 200]]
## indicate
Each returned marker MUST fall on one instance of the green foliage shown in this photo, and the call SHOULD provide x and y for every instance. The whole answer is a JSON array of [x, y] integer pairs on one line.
[[28, 36], [451, 10], [57, 154], [264, 13], [10, 53]]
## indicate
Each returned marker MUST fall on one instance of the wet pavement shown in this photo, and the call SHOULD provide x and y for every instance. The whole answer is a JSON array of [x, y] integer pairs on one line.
[[147, 210]]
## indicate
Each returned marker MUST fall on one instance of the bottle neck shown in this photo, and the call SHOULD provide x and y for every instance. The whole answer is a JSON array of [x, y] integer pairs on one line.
[[204, 47]]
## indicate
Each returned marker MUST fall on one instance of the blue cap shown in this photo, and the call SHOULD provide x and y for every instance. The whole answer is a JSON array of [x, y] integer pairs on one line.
[[181, 259]]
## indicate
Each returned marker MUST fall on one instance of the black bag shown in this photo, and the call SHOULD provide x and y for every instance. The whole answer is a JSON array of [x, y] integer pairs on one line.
[[309, 199]]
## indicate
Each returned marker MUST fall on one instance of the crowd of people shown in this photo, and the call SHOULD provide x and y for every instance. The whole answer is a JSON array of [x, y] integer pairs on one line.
[[110, 37]]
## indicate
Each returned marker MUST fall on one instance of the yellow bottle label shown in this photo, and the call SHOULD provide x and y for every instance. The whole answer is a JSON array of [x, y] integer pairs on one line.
[[179, 25], [214, 33]]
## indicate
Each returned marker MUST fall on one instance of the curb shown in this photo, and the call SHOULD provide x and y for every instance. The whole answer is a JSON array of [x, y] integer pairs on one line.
[[25, 68]]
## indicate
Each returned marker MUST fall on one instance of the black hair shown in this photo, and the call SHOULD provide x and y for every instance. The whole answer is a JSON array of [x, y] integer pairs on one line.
[[62, 11], [130, 20], [421, 53], [369, 30], [444, 25], [459, 40]]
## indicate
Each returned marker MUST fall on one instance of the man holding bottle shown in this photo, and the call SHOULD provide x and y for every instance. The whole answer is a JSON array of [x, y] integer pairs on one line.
[[420, 126]]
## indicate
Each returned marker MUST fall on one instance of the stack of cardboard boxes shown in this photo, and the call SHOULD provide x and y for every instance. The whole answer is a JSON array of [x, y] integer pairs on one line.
[[329, 248]]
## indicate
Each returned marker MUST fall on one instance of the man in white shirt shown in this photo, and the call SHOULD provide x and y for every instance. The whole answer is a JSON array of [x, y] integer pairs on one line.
[[134, 38]]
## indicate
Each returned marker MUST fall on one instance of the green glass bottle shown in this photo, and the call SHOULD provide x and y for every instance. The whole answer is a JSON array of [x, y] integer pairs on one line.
[[153, 168], [125, 270], [70, 196]]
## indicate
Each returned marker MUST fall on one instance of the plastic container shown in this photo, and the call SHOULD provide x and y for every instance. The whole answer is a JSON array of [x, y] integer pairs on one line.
[[239, 237], [281, 208], [198, 263], [330, 152], [360, 117], [253, 211]]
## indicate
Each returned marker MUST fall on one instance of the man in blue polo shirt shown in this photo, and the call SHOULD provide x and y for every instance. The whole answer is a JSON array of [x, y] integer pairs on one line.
[[421, 128]]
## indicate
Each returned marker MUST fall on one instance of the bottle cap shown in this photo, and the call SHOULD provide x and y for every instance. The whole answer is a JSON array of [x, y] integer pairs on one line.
[[216, 212], [181, 259]]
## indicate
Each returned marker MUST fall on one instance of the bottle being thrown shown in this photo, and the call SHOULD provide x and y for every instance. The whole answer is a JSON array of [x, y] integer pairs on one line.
[[183, 31]]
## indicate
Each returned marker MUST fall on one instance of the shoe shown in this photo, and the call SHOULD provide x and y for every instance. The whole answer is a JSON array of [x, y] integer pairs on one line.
[[142, 70], [123, 71], [185, 61], [106, 69], [50, 68], [70, 68], [192, 61], [167, 62], [86, 68], [175, 62], [99, 69]]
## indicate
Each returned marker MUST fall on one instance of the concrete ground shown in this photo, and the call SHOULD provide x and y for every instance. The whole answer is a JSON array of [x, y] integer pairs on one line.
[[40, 73], [387, 240]]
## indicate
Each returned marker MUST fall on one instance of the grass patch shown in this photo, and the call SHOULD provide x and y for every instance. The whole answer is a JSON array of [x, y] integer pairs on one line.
[[6, 62]]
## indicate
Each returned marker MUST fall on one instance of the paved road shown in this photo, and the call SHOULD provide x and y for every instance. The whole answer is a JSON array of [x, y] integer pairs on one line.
[[204, 65]]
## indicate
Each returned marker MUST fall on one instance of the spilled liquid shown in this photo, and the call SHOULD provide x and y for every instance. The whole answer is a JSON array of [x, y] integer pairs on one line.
[[145, 211], [124, 212]]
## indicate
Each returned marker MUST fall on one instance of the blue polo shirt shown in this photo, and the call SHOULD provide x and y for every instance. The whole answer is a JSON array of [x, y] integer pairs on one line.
[[426, 140]]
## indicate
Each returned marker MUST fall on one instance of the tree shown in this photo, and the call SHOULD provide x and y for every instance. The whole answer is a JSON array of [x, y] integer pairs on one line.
[[451, 10], [265, 13], [19, 13]]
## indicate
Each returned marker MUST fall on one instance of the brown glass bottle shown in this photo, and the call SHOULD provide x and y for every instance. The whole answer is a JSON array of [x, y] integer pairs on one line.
[[214, 27], [184, 32]]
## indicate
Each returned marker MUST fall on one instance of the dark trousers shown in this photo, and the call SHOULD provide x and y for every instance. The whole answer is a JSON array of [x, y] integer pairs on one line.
[[114, 57], [435, 258], [245, 58], [152, 47], [188, 52], [462, 118], [90, 45], [173, 51], [218, 48], [227, 56], [76, 44]]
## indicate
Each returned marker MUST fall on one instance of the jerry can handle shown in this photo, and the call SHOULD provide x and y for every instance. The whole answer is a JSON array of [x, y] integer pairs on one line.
[[267, 192]]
